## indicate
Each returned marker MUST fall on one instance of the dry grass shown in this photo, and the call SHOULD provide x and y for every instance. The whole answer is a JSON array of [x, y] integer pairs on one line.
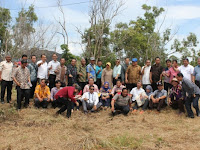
[[39, 129]]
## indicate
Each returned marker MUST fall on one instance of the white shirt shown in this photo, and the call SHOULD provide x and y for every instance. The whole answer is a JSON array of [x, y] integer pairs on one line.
[[6, 69], [146, 75], [136, 92], [187, 71], [92, 97], [42, 70], [54, 65]]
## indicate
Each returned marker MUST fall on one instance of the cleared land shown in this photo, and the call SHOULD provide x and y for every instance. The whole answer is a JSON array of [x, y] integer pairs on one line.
[[40, 129]]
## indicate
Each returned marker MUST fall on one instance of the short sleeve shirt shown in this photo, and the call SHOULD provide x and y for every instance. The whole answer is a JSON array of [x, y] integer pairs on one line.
[[187, 71], [158, 93], [156, 71], [42, 92], [197, 73], [122, 101], [91, 70]]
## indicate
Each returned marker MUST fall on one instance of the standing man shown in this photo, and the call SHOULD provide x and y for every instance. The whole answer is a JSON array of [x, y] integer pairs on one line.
[[167, 83], [146, 74], [61, 72], [186, 69], [21, 77], [133, 75], [191, 93], [82, 75], [123, 70], [155, 73], [33, 74], [99, 73], [117, 72], [6, 68], [42, 68], [72, 73], [196, 75], [91, 73], [52, 66]]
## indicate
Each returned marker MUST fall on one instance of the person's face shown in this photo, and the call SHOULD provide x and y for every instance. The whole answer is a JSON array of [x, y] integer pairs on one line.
[[25, 58], [157, 61], [91, 89], [8, 58], [24, 65], [62, 61], [107, 67], [134, 63], [33, 59], [54, 57], [92, 62], [42, 83], [160, 87], [83, 62], [91, 81], [99, 63], [117, 62], [118, 83], [44, 58], [168, 64], [174, 83], [58, 85], [124, 93], [179, 78], [139, 84], [185, 62], [175, 64], [127, 61], [106, 85], [147, 90], [73, 62], [148, 63], [198, 61]]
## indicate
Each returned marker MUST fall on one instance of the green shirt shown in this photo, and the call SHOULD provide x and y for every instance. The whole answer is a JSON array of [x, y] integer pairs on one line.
[[82, 70]]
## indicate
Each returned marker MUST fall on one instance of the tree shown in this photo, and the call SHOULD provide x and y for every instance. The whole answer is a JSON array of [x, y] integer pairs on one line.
[[67, 54]]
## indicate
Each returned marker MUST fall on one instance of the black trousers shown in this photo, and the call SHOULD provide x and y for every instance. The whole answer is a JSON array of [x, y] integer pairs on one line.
[[130, 86], [52, 79], [114, 80], [167, 86], [197, 83], [21, 93], [125, 109], [43, 104], [82, 84], [98, 82], [67, 105], [188, 102], [154, 86], [34, 83], [178, 104], [158, 105], [4, 85]]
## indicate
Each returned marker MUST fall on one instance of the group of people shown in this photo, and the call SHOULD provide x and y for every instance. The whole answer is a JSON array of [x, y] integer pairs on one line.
[[127, 87]]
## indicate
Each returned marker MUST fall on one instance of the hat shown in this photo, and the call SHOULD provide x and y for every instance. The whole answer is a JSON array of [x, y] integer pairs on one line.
[[108, 63], [174, 79], [23, 61], [134, 60], [159, 83], [92, 58]]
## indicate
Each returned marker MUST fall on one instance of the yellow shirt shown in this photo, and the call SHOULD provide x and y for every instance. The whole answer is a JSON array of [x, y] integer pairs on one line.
[[42, 92]]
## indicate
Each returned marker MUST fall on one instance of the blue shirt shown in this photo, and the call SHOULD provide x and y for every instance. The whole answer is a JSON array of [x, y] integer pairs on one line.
[[197, 73], [117, 70], [97, 69], [91, 70]]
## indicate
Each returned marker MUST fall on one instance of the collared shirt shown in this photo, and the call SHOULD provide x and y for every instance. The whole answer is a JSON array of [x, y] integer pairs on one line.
[[146, 75], [133, 73], [43, 92], [172, 73], [33, 71], [187, 71], [115, 89], [42, 70], [54, 65], [161, 93], [100, 73], [73, 71], [123, 71], [92, 97], [136, 92], [54, 90], [22, 76], [6, 69], [156, 71], [91, 70], [61, 73], [82, 70], [197, 73], [116, 71], [189, 88], [122, 101], [87, 87]]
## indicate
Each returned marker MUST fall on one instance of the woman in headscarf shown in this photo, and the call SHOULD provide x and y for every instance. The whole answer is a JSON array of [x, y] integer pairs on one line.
[[149, 90], [105, 95], [107, 75]]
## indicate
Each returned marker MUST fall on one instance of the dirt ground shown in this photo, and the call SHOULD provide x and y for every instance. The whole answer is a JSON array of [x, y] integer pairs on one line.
[[39, 129]]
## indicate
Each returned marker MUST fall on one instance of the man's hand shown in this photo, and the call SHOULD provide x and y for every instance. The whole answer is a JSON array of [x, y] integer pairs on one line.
[[48, 100], [50, 67], [85, 99], [103, 98], [116, 77], [77, 104], [80, 74], [151, 81], [18, 84], [126, 81], [194, 95], [95, 107], [70, 76], [112, 109], [40, 99], [0, 78]]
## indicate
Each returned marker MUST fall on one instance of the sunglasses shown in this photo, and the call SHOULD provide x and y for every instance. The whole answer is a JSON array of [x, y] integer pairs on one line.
[[92, 89]]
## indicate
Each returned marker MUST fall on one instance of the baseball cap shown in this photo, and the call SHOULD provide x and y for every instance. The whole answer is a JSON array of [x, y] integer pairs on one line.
[[159, 83], [92, 58], [134, 60]]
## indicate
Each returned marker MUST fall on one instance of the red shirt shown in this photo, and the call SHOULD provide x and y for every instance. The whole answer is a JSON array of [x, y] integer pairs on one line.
[[67, 92]]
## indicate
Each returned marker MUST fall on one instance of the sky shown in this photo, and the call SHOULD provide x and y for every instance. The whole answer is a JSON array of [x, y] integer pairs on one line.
[[181, 15]]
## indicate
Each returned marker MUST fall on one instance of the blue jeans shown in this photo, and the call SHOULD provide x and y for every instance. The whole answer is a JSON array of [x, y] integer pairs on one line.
[[105, 103], [188, 102], [125, 109]]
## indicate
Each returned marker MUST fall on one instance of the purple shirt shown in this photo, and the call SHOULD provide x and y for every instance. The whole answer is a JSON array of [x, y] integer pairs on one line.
[[54, 91]]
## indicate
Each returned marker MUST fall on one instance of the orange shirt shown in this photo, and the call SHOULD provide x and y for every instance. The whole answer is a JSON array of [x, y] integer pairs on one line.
[[42, 92]]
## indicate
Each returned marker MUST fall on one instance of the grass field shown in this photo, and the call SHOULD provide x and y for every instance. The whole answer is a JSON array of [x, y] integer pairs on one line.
[[39, 129]]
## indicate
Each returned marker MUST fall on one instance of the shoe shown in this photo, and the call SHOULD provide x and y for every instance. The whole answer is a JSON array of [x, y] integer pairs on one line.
[[85, 112], [191, 117], [2, 102], [113, 113]]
